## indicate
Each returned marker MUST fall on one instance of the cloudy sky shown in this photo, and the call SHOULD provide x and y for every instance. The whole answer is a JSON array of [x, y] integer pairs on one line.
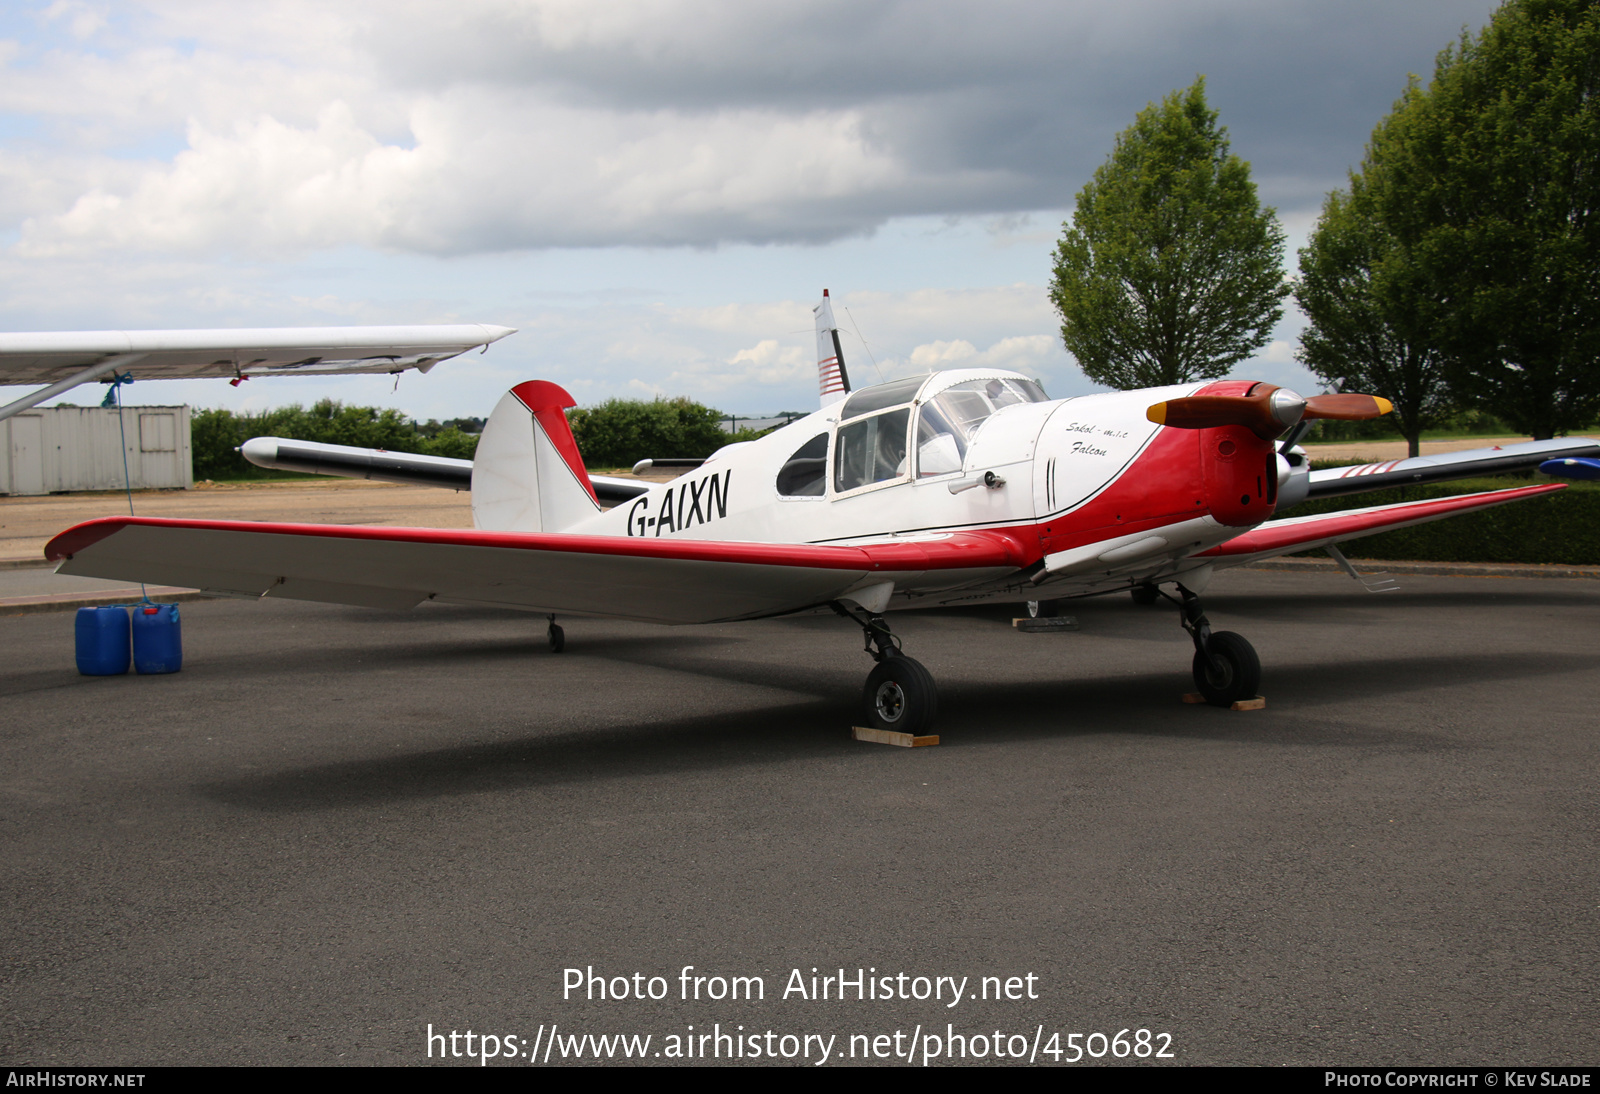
[[654, 192]]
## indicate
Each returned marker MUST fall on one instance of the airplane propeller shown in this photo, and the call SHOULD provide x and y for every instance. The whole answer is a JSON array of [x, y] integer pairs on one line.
[[1267, 411]]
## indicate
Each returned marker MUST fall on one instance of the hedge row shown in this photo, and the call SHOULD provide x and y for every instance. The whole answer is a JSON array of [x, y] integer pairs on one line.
[[617, 433], [1563, 528]]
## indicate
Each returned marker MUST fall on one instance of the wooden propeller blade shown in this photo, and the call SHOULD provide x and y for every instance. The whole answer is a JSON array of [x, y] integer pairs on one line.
[[1347, 408], [1254, 412]]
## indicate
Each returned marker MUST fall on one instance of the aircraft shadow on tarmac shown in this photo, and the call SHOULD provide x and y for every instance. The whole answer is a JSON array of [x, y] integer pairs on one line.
[[1145, 706]]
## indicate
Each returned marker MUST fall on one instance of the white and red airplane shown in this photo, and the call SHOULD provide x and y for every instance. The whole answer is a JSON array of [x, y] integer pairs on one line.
[[968, 486]]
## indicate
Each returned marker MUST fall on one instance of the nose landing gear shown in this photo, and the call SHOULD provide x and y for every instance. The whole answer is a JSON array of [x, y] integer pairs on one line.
[[1226, 668], [900, 694]]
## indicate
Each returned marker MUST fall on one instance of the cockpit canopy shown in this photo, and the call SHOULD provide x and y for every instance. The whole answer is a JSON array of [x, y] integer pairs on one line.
[[873, 442]]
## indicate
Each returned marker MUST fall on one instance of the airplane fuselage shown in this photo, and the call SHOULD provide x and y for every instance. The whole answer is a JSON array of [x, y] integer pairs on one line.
[[1075, 479]]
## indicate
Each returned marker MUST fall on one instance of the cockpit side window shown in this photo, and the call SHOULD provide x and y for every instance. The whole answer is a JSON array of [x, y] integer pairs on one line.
[[871, 450], [941, 446], [805, 474]]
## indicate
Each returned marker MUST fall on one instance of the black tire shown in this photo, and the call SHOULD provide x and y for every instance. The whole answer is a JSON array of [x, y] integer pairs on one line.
[[558, 639], [900, 696], [1144, 594], [1043, 609], [1238, 675]]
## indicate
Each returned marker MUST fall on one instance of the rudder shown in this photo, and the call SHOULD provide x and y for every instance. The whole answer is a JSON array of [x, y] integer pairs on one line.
[[527, 474]]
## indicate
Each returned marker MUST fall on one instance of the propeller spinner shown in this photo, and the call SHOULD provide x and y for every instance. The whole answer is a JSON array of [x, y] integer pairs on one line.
[[1267, 411]]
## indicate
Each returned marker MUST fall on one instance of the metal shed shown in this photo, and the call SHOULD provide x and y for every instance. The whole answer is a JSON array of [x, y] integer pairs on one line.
[[64, 448]]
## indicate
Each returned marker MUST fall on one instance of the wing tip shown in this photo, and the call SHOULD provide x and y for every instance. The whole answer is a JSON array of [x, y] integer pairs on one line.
[[64, 545]]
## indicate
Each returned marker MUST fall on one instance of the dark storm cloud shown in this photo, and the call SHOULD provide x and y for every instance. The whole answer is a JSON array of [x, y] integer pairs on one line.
[[1032, 92]]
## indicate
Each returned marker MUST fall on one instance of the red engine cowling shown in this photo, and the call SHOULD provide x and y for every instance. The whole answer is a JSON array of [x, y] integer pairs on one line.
[[1240, 471]]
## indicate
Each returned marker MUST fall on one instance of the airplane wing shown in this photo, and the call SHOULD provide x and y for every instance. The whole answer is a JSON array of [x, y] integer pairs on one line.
[[42, 358], [1333, 482], [641, 578], [1282, 537], [65, 359]]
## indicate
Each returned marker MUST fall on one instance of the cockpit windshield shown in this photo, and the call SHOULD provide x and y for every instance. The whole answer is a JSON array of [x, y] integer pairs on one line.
[[872, 438], [879, 396], [951, 418]]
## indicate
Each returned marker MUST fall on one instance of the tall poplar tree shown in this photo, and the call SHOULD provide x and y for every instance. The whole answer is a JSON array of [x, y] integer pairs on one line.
[[1488, 180], [1170, 270]]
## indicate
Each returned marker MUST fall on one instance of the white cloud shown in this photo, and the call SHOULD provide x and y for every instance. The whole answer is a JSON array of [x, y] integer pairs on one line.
[[768, 362], [571, 177], [288, 126], [82, 19]]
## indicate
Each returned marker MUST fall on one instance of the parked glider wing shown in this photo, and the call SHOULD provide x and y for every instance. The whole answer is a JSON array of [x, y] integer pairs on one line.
[[46, 357], [64, 359], [1333, 482], [1282, 537], [648, 579]]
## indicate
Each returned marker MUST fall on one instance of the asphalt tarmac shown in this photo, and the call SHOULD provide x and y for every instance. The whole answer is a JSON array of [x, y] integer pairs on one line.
[[337, 827]]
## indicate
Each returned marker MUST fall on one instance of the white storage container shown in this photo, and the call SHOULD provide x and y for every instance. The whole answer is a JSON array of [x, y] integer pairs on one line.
[[56, 449]]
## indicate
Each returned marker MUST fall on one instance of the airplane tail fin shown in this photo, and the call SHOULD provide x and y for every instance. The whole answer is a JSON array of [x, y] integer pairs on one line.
[[527, 475], [831, 375]]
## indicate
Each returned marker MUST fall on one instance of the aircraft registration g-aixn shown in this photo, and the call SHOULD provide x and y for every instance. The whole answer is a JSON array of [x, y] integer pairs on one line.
[[968, 486]]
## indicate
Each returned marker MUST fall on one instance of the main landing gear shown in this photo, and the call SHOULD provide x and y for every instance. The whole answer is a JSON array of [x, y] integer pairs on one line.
[[1226, 668], [900, 694]]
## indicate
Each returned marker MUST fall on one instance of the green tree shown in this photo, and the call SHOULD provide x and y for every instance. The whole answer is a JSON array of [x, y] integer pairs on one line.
[[1489, 181], [1170, 270], [1357, 340]]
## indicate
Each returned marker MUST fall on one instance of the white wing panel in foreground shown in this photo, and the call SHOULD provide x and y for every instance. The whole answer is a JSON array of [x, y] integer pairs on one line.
[[649, 579]]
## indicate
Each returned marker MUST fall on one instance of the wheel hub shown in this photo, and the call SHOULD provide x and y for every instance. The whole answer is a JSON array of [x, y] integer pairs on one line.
[[1219, 673], [890, 701]]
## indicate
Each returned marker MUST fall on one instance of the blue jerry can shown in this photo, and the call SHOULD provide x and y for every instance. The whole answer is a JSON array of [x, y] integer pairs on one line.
[[157, 641], [103, 645]]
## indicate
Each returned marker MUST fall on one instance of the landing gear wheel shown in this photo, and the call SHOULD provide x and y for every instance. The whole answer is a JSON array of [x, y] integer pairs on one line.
[[900, 696], [558, 639], [1144, 594], [1236, 674], [1043, 609]]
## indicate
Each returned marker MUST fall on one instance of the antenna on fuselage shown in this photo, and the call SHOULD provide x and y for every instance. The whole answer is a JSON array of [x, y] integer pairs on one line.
[[831, 375]]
